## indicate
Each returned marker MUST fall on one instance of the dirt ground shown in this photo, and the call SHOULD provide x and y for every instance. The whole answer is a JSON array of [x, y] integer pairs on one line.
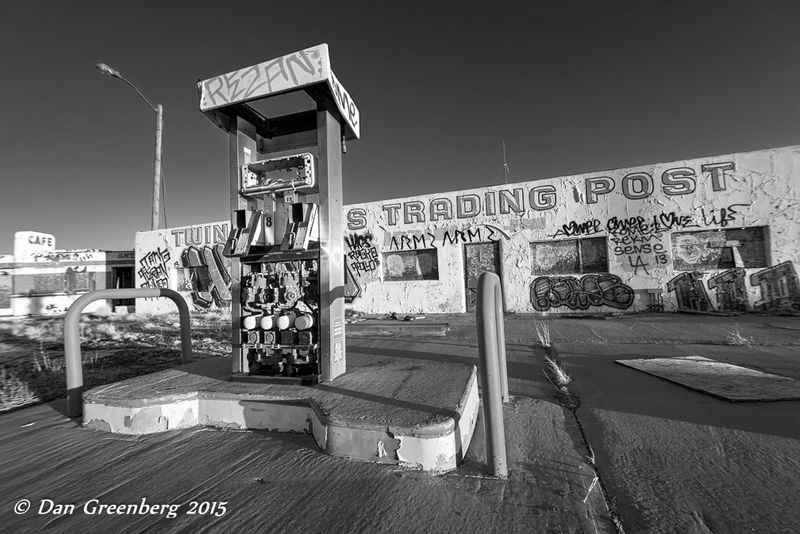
[[113, 348]]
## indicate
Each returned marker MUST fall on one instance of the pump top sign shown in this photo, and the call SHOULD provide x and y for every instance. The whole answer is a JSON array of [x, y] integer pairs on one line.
[[292, 72]]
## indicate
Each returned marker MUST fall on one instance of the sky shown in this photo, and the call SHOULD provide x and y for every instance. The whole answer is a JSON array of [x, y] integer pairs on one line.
[[569, 86]]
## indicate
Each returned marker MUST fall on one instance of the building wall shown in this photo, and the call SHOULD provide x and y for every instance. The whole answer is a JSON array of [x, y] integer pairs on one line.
[[6, 283], [187, 259], [40, 280], [716, 233], [708, 234]]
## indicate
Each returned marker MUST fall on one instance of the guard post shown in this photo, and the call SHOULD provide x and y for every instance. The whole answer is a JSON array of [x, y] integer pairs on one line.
[[286, 243]]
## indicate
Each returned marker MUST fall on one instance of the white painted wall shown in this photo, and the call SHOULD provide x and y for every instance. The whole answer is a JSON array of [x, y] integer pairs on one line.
[[761, 186], [162, 262], [682, 196]]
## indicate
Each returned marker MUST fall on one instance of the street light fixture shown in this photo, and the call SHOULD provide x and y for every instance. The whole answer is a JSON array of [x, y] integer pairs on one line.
[[159, 109]]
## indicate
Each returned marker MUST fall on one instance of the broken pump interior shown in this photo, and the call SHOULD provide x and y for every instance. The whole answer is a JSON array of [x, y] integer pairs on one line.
[[286, 244]]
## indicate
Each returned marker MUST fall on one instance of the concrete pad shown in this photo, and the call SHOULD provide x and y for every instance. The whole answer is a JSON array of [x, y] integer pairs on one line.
[[281, 482], [723, 380], [414, 413]]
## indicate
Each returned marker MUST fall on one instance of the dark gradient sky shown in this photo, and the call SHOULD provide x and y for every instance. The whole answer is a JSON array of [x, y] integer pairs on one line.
[[572, 86]]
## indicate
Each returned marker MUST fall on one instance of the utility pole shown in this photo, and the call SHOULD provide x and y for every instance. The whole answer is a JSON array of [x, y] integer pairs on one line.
[[159, 110], [506, 170], [157, 169]]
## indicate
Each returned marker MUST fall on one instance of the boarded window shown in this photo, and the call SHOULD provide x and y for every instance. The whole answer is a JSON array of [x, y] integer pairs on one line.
[[411, 265], [570, 256], [717, 249], [69, 282], [5, 289]]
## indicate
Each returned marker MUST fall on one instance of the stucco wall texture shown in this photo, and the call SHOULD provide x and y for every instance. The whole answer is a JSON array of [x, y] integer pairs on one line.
[[709, 234]]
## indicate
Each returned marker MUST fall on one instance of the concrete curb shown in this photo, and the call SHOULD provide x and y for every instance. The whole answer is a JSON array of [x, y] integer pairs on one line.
[[435, 446]]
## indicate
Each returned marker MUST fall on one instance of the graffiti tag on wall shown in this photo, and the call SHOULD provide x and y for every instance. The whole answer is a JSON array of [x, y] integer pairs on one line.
[[67, 255], [729, 290], [779, 289], [362, 254], [153, 269], [440, 237], [690, 292], [580, 293]]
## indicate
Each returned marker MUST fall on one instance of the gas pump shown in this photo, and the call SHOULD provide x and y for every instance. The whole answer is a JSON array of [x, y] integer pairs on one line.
[[286, 241]]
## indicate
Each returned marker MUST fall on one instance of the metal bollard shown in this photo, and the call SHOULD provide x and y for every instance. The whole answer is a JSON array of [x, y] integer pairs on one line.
[[72, 340], [493, 373]]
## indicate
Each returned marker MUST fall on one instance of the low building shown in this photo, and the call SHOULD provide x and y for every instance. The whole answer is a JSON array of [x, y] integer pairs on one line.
[[38, 279], [708, 234]]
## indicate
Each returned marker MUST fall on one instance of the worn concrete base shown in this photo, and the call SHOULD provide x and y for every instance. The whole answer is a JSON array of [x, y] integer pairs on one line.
[[414, 413]]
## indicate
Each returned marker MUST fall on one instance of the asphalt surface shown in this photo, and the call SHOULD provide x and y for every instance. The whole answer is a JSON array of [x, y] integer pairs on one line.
[[676, 460], [670, 459]]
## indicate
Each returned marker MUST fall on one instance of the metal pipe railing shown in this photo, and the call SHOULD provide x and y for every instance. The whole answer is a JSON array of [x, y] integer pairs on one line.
[[72, 340], [493, 373]]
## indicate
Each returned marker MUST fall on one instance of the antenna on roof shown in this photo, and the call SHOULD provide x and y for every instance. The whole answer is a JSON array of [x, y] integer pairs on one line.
[[506, 170]]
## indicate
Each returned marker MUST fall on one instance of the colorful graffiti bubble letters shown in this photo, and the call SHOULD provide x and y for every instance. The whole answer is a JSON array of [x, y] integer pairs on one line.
[[209, 272], [730, 291], [690, 294], [579, 294], [352, 287], [780, 289]]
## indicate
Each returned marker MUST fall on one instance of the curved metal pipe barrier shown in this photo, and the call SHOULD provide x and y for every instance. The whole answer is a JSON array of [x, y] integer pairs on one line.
[[72, 339], [493, 373]]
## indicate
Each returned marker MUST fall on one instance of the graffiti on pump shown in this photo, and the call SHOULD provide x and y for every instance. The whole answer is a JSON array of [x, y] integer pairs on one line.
[[579, 294], [362, 254]]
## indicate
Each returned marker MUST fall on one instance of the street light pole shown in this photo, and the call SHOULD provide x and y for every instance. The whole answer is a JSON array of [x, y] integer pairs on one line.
[[159, 110], [157, 169]]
